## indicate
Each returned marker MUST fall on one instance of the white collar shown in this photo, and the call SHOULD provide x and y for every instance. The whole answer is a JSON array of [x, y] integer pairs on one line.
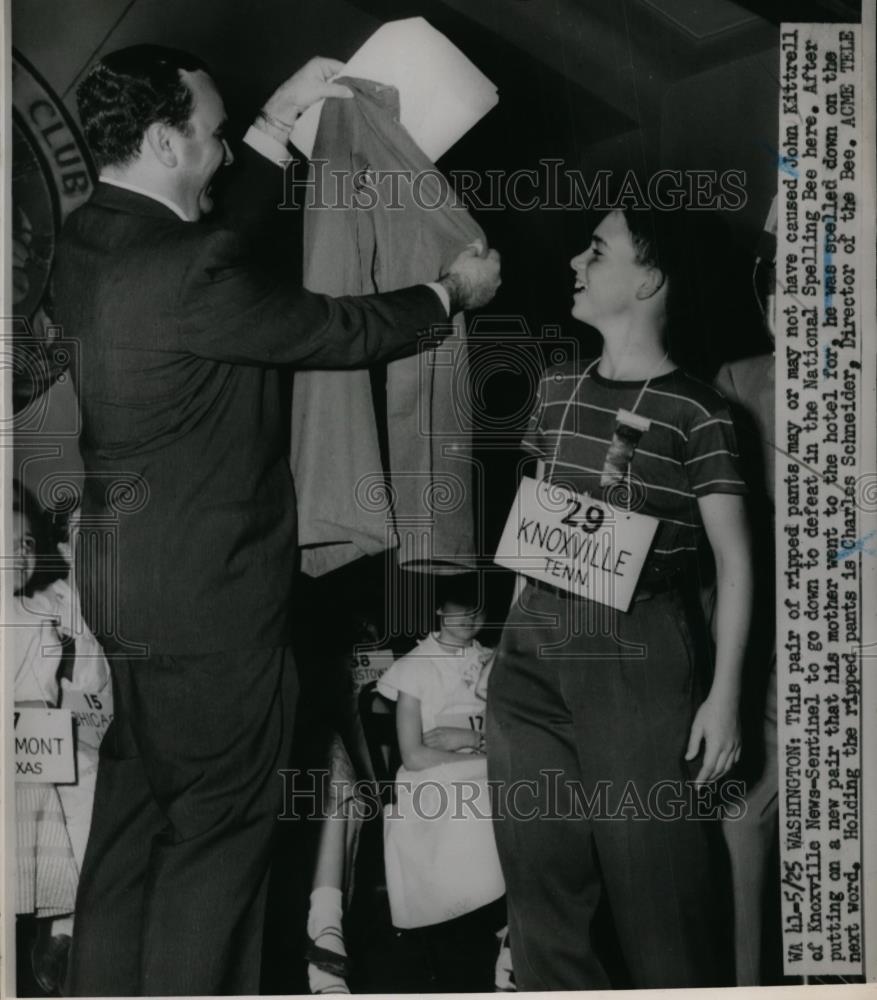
[[146, 194], [474, 647]]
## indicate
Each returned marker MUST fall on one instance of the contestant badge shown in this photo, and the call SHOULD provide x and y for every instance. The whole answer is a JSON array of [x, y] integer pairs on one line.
[[44, 746], [629, 428], [576, 543]]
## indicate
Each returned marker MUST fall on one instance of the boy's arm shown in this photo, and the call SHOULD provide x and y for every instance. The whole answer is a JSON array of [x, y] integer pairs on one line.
[[415, 754], [717, 721]]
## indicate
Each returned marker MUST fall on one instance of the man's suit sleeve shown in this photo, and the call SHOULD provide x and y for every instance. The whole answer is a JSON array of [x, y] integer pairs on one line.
[[254, 189], [231, 310]]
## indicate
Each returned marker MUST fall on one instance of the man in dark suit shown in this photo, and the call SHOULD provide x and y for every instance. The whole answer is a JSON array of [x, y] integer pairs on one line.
[[187, 546]]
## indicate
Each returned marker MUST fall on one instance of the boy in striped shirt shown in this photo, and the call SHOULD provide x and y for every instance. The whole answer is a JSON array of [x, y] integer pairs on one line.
[[629, 709]]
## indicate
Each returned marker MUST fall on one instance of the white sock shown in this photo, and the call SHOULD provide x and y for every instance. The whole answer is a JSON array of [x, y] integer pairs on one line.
[[325, 918], [62, 925]]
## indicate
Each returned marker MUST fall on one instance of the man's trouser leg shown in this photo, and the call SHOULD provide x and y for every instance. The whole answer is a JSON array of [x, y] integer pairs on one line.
[[171, 899], [572, 696]]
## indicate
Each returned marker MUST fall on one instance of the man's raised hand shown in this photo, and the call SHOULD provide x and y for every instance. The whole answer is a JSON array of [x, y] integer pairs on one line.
[[313, 82]]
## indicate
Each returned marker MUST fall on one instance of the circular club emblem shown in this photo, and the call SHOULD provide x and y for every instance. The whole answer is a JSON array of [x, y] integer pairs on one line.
[[52, 173]]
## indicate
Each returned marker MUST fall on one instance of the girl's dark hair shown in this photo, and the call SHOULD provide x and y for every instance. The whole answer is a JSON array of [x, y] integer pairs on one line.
[[458, 588], [47, 530]]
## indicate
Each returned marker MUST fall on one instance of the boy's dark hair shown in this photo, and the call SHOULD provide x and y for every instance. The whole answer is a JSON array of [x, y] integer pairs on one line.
[[47, 530], [659, 239], [687, 247], [129, 90]]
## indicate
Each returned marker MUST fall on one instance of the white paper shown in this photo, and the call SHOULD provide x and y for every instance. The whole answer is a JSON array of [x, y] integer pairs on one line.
[[442, 94]]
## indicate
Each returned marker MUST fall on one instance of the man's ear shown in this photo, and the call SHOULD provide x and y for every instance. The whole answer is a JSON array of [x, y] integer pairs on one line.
[[160, 140], [652, 283]]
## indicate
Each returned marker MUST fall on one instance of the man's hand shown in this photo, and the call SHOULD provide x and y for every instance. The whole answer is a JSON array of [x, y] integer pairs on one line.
[[310, 84], [717, 725], [472, 280], [450, 738]]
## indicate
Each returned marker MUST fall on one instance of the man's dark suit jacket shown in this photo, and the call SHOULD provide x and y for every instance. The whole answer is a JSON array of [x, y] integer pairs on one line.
[[182, 342]]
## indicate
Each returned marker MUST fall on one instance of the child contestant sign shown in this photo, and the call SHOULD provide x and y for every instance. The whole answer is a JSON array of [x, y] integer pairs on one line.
[[576, 543], [44, 746]]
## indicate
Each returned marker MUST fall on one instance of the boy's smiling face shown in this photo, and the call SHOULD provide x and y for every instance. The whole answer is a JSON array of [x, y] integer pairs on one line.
[[608, 276]]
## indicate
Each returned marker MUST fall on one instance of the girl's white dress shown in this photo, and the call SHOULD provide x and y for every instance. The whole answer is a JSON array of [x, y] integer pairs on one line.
[[52, 821], [439, 850]]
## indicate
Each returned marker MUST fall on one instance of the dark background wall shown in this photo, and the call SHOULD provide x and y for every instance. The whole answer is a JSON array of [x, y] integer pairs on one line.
[[634, 84]]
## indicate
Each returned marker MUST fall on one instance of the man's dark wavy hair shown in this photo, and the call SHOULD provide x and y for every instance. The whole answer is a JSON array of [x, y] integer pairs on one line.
[[129, 90]]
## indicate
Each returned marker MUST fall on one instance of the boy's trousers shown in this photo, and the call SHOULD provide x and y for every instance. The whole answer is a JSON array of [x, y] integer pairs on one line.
[[589, 715]]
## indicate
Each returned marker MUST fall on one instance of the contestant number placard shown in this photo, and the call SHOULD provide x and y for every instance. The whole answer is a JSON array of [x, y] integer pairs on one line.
[[44, 745], [92, 714], [461, 720], [576, 543], [370, 666]]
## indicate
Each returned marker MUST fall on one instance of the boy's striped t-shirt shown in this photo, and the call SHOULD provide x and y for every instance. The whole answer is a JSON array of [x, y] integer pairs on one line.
[[688, 451]]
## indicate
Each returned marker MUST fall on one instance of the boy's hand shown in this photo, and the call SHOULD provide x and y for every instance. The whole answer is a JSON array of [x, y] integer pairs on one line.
[[472, 279], [450, 738], [718, 726]]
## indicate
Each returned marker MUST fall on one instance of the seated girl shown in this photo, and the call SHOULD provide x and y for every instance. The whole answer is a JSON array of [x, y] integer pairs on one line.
[[443, 873], [57, 663]]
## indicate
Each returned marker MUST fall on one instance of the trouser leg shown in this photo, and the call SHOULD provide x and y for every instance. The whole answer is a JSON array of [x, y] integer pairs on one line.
[[105, 954], [750, 837], [546, 852], [211, 733], [658, 841], [622, 721]]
